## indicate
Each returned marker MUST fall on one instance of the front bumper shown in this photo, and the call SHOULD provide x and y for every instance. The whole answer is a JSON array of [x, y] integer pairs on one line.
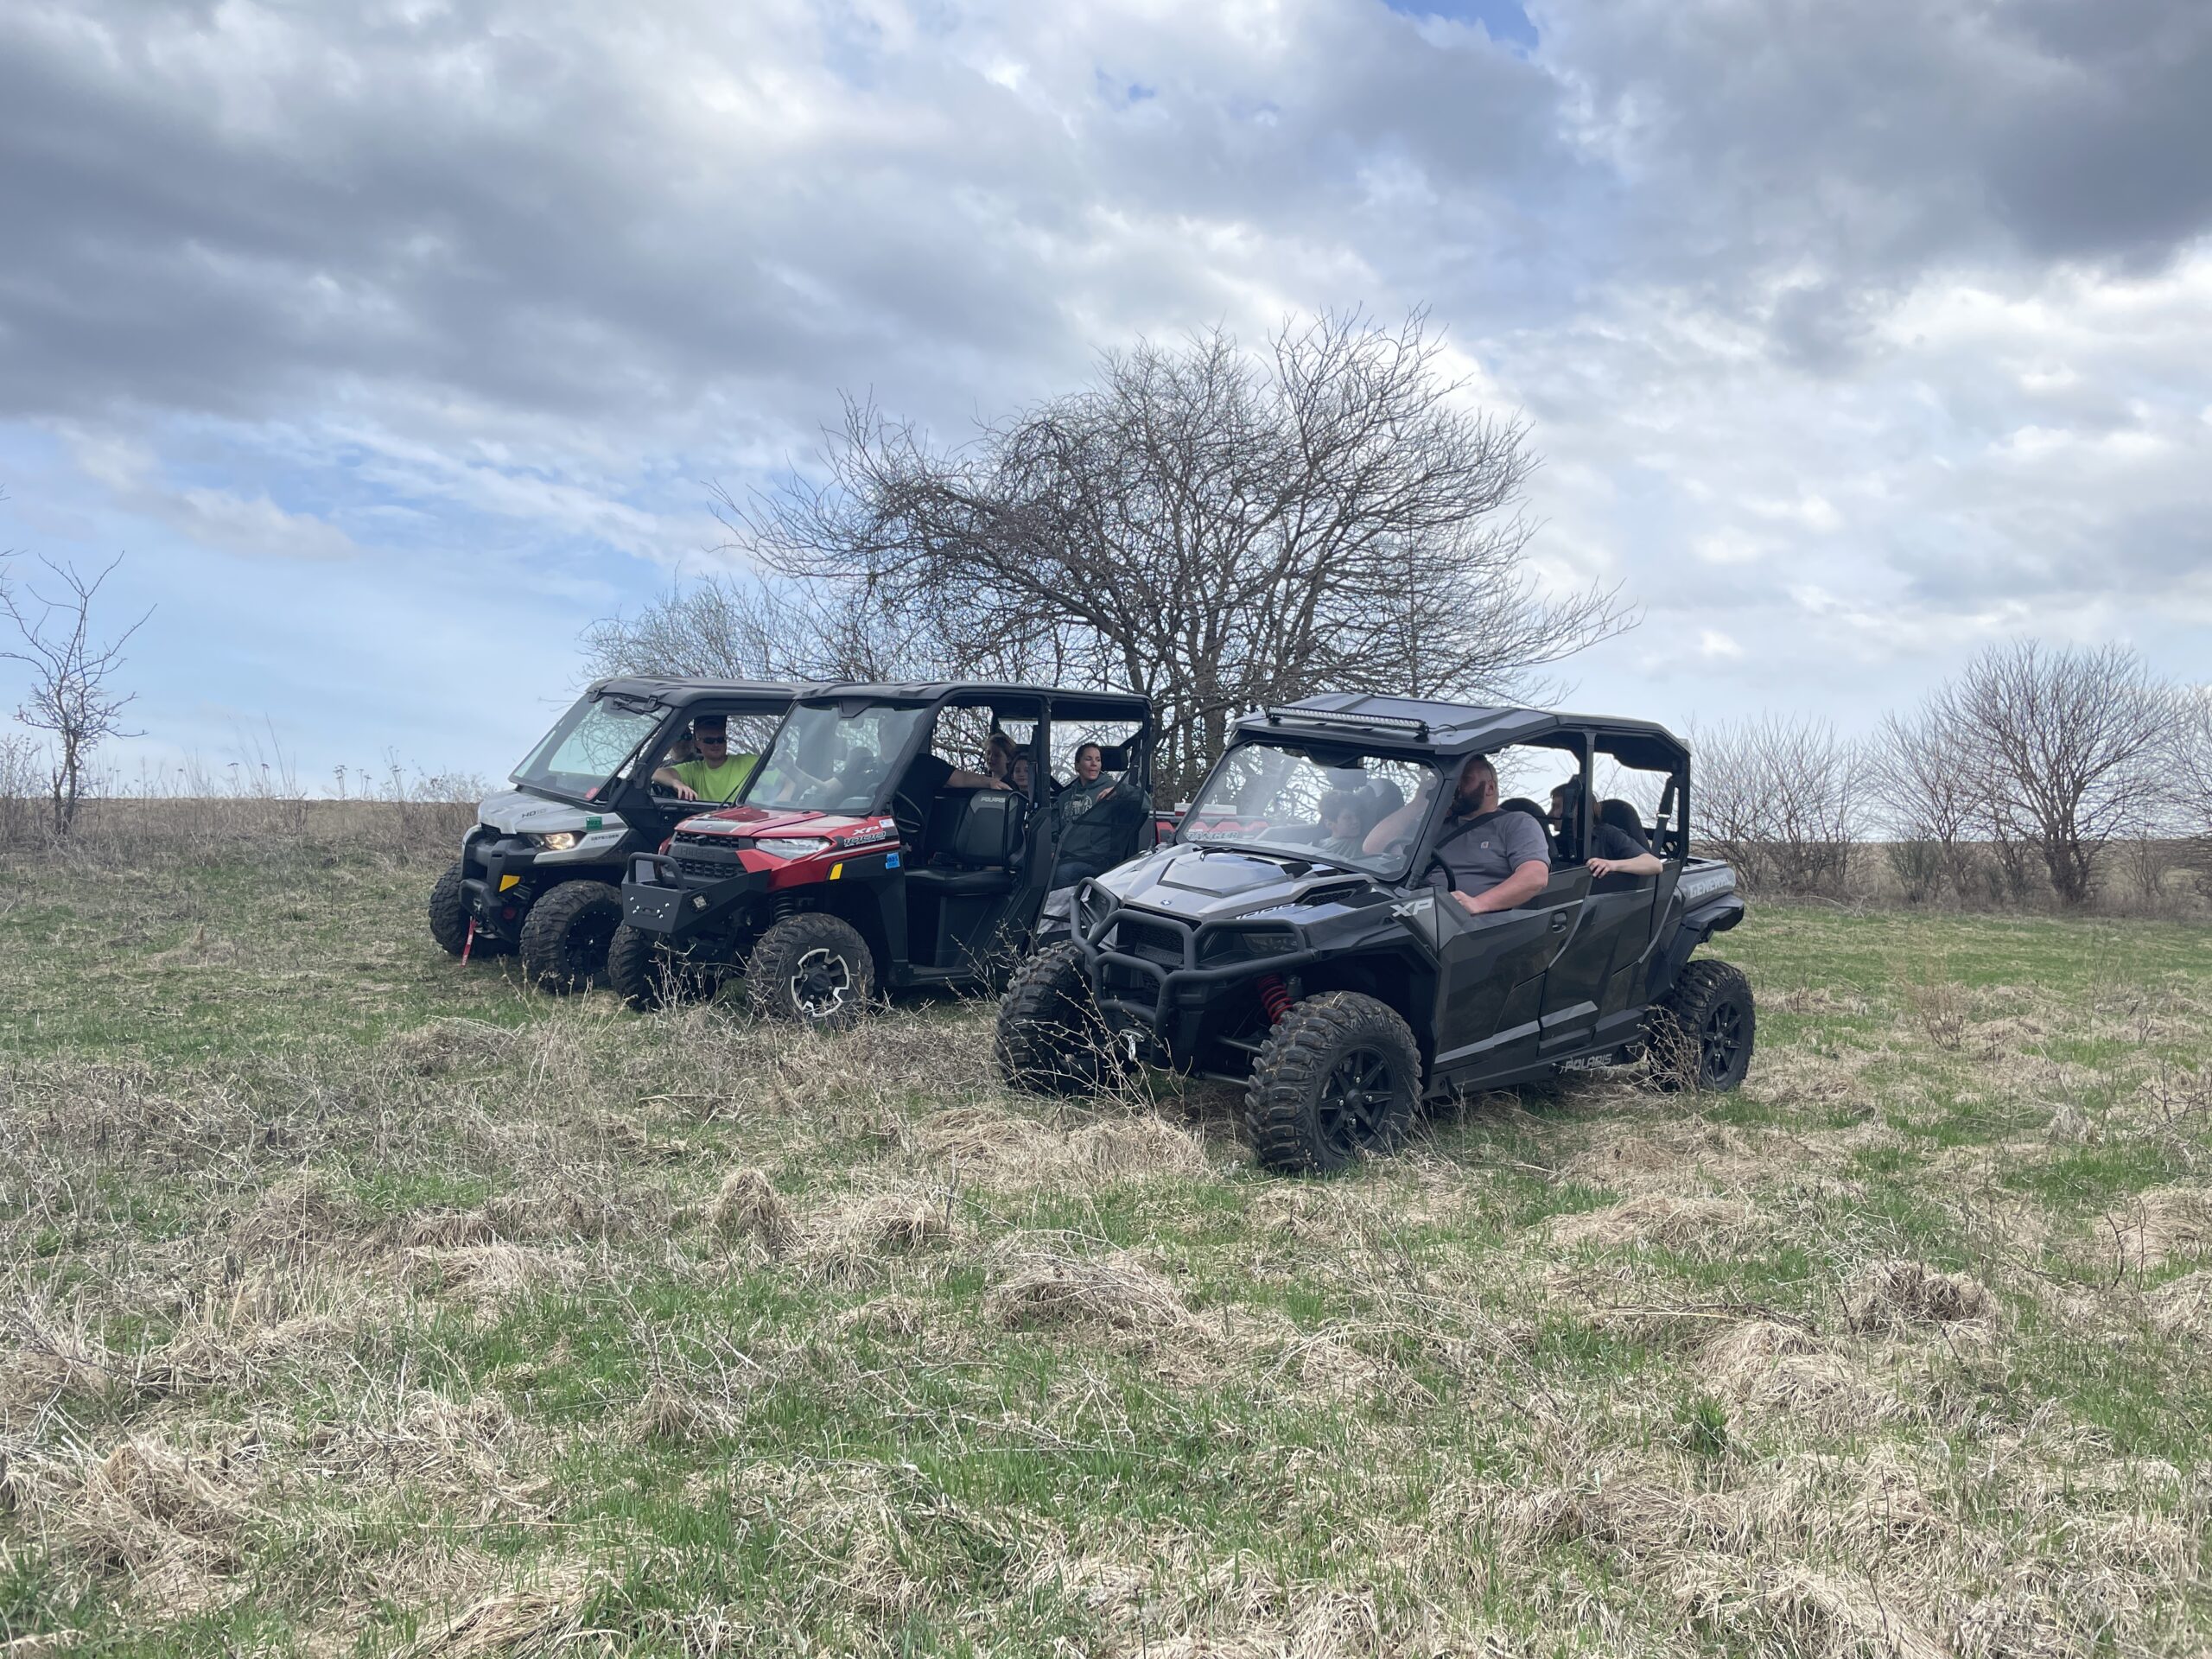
[[498, 883], [1146, 977], [687, 897]]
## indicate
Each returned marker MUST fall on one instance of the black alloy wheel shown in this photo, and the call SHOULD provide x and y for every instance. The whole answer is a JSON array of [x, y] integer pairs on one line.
[[1337, 1080], [1701, 1034], [1722, 1040], [566, 932], [1355, 1102]]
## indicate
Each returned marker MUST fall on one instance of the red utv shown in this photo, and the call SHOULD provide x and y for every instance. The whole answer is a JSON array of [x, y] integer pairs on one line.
[[875, 849]]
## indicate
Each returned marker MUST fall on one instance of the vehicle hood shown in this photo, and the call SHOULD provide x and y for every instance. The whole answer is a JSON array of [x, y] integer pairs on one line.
[[757, 822], [519, 812], [1201, 883]]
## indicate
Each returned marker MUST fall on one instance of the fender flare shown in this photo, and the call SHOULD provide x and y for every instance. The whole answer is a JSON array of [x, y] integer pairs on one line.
[[1716, 915]]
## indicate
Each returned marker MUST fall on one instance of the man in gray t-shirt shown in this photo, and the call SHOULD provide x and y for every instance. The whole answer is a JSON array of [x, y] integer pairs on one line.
[[1483, 853], [1486, 859]]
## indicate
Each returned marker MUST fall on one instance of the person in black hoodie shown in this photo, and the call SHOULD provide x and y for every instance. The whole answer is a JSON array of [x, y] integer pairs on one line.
[[1097, 819]]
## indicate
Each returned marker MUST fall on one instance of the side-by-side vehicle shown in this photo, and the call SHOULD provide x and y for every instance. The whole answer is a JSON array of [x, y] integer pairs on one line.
[[893, 836], [1299, 935], [540, 872]]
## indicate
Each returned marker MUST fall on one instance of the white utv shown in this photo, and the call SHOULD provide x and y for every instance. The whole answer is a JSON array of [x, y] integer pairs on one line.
[[541, 870]]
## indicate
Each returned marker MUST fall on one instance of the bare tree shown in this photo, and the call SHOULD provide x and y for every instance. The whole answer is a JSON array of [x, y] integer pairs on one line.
[[69, 694], [1778, 797], [1216, 529], [1928, 801], [2062, 747], [734, 627], [2192, 758], [2191, 767]]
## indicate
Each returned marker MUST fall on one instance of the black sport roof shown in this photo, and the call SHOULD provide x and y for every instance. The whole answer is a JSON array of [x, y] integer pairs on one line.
[[938, 690], [1455, 729], [680, 693]]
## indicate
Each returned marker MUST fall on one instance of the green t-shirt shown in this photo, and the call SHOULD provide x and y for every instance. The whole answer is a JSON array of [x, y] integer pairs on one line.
[[717, 783]]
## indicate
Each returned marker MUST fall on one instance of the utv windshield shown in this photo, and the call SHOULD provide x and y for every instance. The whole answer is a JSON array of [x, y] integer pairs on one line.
[[1333, 805], [826, 761], [594, 742]]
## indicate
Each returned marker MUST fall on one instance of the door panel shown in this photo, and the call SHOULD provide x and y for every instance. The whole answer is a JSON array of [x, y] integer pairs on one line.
[[1624, 987], [1614, 927], [1490, 992]]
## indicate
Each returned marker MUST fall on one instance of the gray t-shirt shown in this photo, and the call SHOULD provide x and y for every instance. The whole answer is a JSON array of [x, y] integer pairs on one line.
[[1478, 856]]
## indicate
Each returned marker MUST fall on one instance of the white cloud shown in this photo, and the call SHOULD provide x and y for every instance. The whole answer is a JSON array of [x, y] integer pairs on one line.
[[1852, 336]]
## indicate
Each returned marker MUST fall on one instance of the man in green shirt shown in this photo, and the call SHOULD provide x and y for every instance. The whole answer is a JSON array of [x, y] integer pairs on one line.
[[717, 774]]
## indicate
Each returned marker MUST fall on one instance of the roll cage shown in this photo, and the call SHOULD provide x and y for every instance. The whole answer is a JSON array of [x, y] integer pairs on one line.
[[1054, 706], [1449, 734], [627, 785]]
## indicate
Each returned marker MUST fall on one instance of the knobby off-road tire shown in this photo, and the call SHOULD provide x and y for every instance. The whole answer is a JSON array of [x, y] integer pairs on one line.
[[1051, 1039], [1699, 1036], [450, 912], [811, 967], [1337, 1080], [649, 976], [449, 919], [566, 932]]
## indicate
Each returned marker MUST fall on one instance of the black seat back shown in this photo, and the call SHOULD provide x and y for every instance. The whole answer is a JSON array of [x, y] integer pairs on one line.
[[941, 825], [975, 829], [1521, 804], [1623, 817]]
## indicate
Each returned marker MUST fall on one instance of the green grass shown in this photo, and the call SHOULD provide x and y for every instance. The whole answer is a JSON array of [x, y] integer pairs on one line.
[[355, 1299]]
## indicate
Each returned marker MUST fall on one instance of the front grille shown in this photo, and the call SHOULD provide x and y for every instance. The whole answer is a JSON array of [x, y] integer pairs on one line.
[[1149, 941], [1121, 985], [708, 869], [696, 838]]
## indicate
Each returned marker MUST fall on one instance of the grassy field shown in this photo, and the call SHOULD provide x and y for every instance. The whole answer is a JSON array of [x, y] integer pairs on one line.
[[353, 1301]]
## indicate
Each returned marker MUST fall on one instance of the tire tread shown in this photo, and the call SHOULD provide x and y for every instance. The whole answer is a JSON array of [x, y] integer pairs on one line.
[[547, 955], [1700, 984], [1293, 1062], [778, 951], [1047, 1019]]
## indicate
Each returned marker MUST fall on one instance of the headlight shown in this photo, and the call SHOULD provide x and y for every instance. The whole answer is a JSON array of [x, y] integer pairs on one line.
[[559, 841], [791, 846], [1246, 944]]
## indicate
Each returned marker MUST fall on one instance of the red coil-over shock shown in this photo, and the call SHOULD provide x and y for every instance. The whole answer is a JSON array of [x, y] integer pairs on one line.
[[1274, 997]]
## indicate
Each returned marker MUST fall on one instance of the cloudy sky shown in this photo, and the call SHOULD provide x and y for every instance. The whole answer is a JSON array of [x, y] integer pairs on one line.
[[393, 343]]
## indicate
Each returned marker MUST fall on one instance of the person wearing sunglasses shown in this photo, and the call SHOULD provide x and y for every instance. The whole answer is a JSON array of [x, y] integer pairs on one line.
[[715, 774]]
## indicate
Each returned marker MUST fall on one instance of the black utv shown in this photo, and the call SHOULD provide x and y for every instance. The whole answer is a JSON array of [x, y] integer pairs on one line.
[[540, 871], [1300, 935], [894, 836]]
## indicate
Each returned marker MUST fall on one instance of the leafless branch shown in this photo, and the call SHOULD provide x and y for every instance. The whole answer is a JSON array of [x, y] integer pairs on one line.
[[70, 694]]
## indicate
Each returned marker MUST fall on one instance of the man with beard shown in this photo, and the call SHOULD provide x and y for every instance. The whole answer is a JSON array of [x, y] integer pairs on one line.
[[1487, 860]]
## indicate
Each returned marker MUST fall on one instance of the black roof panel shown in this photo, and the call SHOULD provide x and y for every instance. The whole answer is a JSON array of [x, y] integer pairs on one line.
[[937, 690], [1467, 728], [680, 692]]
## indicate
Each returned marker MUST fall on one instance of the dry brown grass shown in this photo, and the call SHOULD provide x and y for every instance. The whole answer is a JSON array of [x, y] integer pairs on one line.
[[2167, 1223], [1901, 1294], [1043, 1288], [747, 1206], [1703, 1228], [594, 1333]]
